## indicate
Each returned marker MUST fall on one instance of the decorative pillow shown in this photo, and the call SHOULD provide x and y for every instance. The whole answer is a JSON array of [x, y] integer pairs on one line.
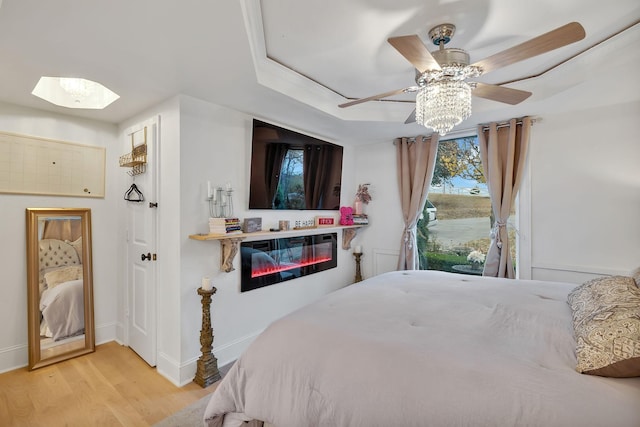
[[62, 274], [606, 322], [636, 276], [77, 245]]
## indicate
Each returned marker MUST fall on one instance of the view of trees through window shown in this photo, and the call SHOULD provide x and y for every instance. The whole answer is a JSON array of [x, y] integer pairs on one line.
[[290, 192], [454, 231]]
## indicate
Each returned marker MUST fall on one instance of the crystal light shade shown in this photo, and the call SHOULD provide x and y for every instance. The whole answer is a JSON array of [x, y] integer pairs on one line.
[[444, 98], [443, 104]]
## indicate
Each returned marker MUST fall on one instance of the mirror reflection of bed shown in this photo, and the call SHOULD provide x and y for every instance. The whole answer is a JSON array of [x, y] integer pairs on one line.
[[60, 285]]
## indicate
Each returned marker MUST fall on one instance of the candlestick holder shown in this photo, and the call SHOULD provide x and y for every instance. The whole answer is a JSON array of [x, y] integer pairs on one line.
[[220, 202], [207, 366], [358, 272]]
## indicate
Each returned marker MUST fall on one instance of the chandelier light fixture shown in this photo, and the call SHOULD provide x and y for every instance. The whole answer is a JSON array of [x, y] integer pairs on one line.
[[444, 98]]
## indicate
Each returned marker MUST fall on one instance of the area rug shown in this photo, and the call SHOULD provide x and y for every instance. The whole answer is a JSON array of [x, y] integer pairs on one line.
[[192, 415]]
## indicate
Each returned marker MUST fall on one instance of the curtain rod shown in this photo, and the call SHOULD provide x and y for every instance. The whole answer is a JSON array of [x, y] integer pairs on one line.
[[505, 124], [469, 131]]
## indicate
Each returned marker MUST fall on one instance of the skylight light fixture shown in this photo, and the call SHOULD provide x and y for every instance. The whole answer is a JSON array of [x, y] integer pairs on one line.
[[72, 92]]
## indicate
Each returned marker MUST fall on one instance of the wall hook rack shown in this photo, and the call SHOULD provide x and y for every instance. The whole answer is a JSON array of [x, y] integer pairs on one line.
[[137, 158]]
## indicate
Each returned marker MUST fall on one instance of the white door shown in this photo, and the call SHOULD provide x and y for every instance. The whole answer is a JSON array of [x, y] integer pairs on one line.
[[141, 250]]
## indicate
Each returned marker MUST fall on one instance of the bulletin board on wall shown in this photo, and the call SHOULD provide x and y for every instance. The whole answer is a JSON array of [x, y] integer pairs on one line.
[[32, 165]]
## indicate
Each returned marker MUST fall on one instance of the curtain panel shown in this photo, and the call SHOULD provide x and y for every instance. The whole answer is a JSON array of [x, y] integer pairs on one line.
[[62, 229], [274, 156], [503, 151], [415, 164], [317, 169]]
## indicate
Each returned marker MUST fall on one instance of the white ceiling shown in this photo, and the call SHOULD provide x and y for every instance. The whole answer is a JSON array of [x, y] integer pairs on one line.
[[292, 61]]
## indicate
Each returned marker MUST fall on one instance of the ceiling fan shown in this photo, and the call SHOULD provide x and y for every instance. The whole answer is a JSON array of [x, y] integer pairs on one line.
[[441, 76]]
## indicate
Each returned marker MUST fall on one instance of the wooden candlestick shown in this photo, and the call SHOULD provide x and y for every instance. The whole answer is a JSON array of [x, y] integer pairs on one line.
[[207, 366], [358, 272]]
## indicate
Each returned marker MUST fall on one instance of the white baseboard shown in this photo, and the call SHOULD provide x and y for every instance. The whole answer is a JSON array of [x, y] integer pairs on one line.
[[182, 374], [168, 368], [121, 333], [14, 357], [17, 356], [105, 332], [228, 353]]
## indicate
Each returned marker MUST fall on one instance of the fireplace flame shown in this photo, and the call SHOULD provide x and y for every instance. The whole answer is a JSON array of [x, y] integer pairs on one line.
[[265, 271]]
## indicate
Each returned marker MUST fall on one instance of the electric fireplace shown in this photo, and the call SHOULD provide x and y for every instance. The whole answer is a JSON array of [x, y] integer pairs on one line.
[[266, 262]]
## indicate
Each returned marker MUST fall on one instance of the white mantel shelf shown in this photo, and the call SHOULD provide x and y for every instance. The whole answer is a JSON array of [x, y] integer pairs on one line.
[[229, 242]]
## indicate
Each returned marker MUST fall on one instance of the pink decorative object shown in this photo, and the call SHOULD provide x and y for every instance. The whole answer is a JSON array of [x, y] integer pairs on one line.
[[357, 206], [362, 198], [346, 215]]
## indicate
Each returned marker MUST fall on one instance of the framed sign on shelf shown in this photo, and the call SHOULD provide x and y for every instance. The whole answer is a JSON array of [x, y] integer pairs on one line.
[[325, 221]]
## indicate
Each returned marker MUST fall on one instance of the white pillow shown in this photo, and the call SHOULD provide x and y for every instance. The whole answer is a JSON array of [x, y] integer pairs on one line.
[[77, 245], [63, 274]]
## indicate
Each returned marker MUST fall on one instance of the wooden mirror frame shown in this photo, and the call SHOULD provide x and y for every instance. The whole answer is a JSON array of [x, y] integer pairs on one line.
[[36, 357]]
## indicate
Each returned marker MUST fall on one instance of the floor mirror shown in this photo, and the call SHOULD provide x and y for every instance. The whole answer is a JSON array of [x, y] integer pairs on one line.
[[59, 284]]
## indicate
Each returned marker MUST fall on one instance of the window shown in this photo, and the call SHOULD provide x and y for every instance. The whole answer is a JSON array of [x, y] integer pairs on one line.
[[290, 192], [457, 218]]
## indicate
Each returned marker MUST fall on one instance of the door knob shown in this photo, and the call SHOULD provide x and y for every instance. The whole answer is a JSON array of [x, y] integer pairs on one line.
[[146, 257]]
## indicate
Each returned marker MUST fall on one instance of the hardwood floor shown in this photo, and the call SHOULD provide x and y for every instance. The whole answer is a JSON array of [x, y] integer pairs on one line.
[[111, 387]]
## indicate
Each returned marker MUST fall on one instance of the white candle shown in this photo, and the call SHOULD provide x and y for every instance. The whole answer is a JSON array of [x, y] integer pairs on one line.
[[206, 283], [358, 249], [209, 191]]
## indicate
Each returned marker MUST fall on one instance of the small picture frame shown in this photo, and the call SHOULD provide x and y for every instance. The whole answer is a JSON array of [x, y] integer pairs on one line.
[[325, 221], [252, 225]]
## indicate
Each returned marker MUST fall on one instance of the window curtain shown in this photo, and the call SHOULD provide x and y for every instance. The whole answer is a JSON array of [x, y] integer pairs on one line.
[[62, 229], [316, 170], [416, 162], [503, 151], [274, 157]]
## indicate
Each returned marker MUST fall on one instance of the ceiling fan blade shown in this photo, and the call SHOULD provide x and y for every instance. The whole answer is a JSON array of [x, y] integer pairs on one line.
[[500, 93], [412, 48], [411, 118], [378, 96], [554, 39]]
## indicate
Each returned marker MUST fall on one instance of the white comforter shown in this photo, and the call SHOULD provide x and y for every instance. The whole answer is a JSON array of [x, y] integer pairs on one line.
[[62, 310], [424, 349]]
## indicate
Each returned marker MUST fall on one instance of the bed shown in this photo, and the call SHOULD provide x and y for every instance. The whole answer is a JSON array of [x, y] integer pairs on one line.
[[425, 348], [61, 289]]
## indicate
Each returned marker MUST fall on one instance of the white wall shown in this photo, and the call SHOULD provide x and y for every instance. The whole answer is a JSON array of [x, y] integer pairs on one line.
[[216, 147], [380, 241], [583, 201], [203, 142], [13, 304], [585, 193]]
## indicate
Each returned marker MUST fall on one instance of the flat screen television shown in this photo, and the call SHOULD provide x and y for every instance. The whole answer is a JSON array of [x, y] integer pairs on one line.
[[290, 170]]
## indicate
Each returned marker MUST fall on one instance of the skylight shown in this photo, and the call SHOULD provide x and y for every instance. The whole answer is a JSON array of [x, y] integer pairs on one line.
[[71, 92]]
